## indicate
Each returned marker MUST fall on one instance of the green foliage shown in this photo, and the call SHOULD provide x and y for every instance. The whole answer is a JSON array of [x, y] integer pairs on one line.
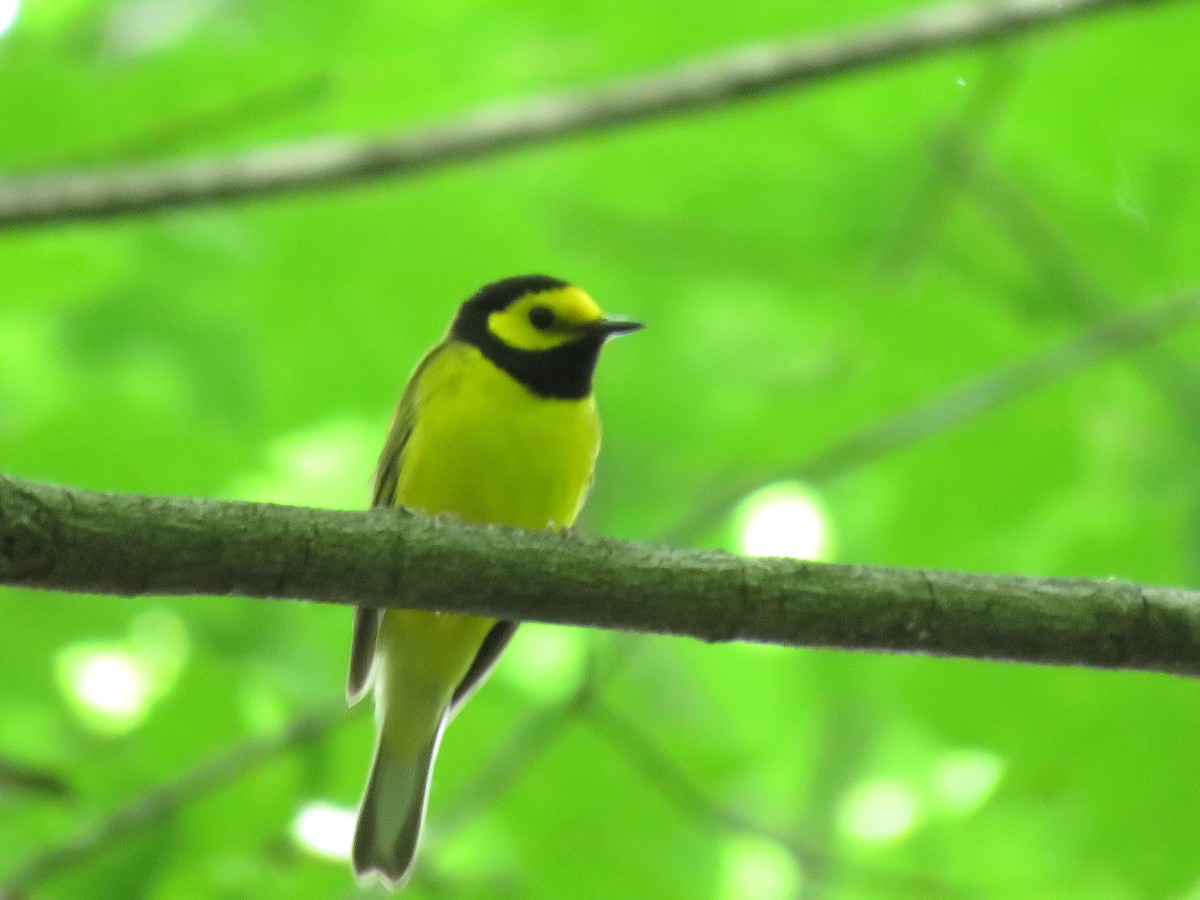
[[807, 264]]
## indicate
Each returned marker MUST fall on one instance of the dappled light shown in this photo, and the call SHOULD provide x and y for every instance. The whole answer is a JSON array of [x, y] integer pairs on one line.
[[785, 519], [886, 585], [112, 686], [879, 812], [757, 869], [547, 663], [9, 9], [962, 781], [107, 686], [324, 829], [325, 463]]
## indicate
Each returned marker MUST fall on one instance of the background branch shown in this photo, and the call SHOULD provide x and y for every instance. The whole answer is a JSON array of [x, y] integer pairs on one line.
[[1070, 285], [710, 82], [37, 781], [156, 805], [695, 804], [60, 538], [197, 127], [957, 405]]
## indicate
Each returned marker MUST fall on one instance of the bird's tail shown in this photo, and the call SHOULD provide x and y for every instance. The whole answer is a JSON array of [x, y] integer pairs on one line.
[[393, 809]]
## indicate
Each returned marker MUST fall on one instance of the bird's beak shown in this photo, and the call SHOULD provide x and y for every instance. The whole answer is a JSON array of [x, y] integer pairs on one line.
[[612, 326]]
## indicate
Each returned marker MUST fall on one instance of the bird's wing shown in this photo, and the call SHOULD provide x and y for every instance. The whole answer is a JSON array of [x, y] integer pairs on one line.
[[367, 619], [387, 475], [489, 651]]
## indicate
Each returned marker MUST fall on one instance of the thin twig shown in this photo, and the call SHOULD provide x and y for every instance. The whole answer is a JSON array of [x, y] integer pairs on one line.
[[163, 802], [23, 778], [715, 81], [530, 739], [952, 153], [680, 790], [845, 744], [1071, 286], [958, 405], [203, 126], [695, 804], [524, 744]]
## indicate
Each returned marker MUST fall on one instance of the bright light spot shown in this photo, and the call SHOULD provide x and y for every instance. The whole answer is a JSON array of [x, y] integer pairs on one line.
[[112, 683], [879, 812], [262, 709], [107, 685], [964, 780], [34, 378], [545, 662], [783, 519], [159, 639], [480, 853], [1192, 894], [111, 686], [960, 81], [327, 464], [325, 830], [142, 26], [756, 869], [8, 14]]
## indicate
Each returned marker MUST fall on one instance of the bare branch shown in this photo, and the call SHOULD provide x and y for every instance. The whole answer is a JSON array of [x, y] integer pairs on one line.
[[715, 81], [75, 540], [161, 803]]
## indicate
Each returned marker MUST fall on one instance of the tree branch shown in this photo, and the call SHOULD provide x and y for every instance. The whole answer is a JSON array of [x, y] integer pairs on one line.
[[695, 804], [75, 540], [713, 81], [1069, 283], [22, 778], [162, 802], [957, 405]]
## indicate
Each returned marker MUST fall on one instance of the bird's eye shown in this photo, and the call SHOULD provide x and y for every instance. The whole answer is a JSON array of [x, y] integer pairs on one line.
[[541, 317]]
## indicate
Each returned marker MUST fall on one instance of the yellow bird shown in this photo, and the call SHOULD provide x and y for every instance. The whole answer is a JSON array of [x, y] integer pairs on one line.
[[497, 424]]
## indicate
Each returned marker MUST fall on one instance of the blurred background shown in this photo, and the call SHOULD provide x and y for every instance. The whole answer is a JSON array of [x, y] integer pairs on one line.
[[813, 267]]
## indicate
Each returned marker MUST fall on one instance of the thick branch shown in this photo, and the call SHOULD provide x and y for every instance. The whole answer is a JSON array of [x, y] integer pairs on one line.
[[76, 540], [701, 84]]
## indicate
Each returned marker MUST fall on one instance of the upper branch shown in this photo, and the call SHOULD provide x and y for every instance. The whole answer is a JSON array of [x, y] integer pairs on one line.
[[76, 540], [713, 81]]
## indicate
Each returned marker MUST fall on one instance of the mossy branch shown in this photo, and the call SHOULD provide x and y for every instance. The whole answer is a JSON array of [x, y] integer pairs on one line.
[[66, 539]]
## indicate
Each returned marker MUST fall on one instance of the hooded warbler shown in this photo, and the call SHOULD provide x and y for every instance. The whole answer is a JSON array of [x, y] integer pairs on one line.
[[496, 425]]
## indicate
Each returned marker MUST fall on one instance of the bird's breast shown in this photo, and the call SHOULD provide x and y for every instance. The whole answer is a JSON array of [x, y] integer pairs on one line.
[[487, 449]]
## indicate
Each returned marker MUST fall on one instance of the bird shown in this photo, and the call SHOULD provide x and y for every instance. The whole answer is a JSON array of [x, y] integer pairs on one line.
[[497, 424]]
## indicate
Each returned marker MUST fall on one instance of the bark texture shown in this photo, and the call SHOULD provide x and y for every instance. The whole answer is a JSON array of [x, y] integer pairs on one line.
[[75, 540]]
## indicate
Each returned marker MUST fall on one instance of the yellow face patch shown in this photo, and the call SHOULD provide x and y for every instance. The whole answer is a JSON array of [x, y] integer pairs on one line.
[[544, 320]]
